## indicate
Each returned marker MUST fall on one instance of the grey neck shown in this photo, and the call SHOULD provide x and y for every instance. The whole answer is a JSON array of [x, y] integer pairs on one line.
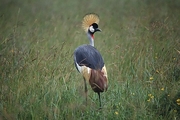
[[91, 39]]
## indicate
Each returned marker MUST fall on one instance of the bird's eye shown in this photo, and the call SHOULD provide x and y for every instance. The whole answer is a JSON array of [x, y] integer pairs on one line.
[[91, 29]]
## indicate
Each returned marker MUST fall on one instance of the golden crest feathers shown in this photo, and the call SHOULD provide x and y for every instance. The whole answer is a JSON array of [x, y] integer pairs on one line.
[[88, 20]]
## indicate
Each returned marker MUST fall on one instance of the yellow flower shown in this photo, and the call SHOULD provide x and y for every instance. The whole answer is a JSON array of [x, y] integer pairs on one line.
[[157, 71], [152, 97], [168, 95], [178, 101], [151, 78], [116, 113], [162, 89]]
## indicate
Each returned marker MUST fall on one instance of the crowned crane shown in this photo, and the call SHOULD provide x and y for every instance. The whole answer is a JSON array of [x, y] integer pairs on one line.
[[88, 60]]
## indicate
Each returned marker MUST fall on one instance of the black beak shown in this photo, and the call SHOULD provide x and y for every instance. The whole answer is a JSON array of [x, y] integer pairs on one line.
[[97, 29]]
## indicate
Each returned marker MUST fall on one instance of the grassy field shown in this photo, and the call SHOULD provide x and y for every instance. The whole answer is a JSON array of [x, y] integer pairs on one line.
[[140, 43]]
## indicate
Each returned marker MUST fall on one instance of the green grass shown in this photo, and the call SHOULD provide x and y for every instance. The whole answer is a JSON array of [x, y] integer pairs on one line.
[[139, 43]]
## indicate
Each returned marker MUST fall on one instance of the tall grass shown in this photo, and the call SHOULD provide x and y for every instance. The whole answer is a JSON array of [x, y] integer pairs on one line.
[[140, 43]]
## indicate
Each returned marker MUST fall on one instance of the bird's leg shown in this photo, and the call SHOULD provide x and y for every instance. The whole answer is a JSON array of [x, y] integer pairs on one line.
[[99, 99], [85, 86]]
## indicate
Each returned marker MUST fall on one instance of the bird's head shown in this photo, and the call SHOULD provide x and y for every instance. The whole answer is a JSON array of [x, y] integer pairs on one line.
[[93, 28], [90, 23]]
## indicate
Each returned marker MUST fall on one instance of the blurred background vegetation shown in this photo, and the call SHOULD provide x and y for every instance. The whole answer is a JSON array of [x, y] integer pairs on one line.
[[140, 43]]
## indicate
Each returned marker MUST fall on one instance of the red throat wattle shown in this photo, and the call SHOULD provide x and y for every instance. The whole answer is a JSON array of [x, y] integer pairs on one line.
[[92, 36]]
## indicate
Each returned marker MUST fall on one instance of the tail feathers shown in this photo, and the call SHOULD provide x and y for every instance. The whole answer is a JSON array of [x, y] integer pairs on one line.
[[98, 81]]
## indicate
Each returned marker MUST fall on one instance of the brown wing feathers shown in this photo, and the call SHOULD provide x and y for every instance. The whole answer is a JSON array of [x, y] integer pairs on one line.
[[98, 81]]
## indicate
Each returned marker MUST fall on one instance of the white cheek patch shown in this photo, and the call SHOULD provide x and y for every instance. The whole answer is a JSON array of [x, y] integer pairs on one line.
[[91, 29]]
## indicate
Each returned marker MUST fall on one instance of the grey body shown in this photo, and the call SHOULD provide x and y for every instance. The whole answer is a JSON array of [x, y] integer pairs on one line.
[[87, 55]]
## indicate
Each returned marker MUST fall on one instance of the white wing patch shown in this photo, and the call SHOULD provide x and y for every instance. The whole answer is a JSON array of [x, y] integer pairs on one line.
[[89, 70], [104, 71], [79, 67], [85, 71]]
